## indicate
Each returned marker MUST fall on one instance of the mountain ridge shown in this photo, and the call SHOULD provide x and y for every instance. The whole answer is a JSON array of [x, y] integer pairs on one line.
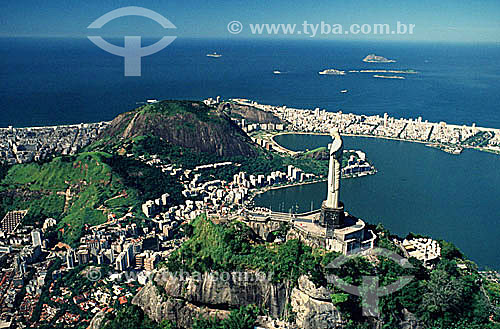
[[189, 124]]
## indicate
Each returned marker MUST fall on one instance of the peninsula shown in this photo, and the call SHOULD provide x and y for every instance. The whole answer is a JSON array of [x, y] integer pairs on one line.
[[447, 137], [409, 71], [388, 77]]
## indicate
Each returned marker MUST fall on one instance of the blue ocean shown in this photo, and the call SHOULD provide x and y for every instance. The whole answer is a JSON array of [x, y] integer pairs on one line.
[[58, 81]]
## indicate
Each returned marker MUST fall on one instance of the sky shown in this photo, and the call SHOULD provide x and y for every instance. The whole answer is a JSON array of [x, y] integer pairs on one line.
[[443, 20]]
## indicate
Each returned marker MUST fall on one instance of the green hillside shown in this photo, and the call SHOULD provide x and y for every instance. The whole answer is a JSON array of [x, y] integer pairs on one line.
[[187, 124], [98, 184], [178, 107], [443, 297]]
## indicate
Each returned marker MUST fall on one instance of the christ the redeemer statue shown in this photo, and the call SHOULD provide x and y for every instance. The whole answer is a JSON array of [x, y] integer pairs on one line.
[[334, 170], [332, 210]]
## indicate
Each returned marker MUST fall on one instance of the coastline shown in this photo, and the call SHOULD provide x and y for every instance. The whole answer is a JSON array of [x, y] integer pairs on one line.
[[445, 135], [72, 125], [426, 143], [255, 192], [280, 148], [270, 188]]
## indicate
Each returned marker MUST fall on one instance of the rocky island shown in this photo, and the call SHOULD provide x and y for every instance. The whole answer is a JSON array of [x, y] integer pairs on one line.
[[372, 58], [389, 77]]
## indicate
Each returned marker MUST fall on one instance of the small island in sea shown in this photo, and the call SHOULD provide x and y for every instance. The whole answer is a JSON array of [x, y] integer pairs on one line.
[[372, 58], [331, 72], [388, 77], [408, 71]]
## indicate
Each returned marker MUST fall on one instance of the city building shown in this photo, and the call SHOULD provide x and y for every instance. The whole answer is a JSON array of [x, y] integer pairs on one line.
[[36, 237]]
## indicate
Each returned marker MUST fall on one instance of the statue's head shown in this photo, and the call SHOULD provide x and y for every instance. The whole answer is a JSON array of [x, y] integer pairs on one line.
[[336, 146], [334, 132]]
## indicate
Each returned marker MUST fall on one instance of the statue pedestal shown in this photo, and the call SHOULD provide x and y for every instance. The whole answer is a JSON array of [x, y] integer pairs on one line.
[[331, 218]]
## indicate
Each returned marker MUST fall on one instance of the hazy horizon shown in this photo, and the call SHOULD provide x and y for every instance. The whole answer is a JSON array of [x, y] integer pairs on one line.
[[459, 21]]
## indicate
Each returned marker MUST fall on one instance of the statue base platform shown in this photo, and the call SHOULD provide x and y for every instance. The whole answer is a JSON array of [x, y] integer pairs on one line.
[[331, 218]]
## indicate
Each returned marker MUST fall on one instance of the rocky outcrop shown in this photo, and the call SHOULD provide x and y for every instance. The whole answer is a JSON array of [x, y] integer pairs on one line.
[[250, 114], [313, 308], [182, 298], [96, 322], [264, 228], [409, 321], [159, 307], [187, 124]]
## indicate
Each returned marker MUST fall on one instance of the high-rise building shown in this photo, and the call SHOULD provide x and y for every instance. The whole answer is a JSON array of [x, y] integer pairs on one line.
[[11, 220], [149, 263], [261, 179], [139, 261], [121, 261], [137, 246], [36, 237], [164, 198], [149, 208], [129, 250], [110, 255], [70, 259], [83, 256]]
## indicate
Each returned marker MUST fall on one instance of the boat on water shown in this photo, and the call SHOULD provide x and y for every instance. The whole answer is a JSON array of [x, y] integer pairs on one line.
[[214, 54], [343, 91], [277, 72]]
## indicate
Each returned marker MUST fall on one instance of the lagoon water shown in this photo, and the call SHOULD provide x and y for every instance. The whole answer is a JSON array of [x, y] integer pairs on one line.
[[417, 189]]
